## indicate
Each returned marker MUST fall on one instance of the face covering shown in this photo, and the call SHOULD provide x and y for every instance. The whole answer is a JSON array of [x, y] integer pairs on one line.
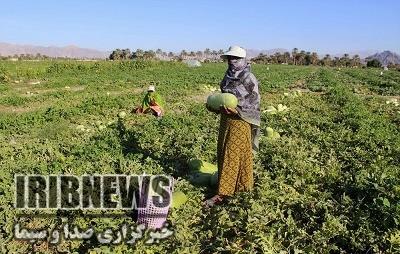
[[237, 64]]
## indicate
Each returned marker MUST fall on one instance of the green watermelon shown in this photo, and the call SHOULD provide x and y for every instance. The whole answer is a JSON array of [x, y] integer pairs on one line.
[[214, 179], [276, 135], [270, 132], [122, 114], [202, 166], [282, 107], [200, 178], [215, 101], [229, 100], [208, 168], [178, 199], [195, 164]]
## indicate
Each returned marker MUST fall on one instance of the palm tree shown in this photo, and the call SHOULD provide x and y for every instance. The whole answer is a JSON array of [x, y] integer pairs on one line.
[[307, 58], [149, 54], [345, 60], [139, 53], [300, 57], [294, 55], [327, 61], [314, 58], [286, 57], [336, 61], [115, 55], [183, 54], [126, 54], [356, 61]]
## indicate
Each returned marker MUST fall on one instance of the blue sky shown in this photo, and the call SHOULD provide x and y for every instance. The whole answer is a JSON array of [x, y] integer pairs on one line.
[[323, 26]]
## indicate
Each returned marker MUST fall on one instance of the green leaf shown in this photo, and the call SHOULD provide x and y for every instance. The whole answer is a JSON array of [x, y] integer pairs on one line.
[[386, 202]]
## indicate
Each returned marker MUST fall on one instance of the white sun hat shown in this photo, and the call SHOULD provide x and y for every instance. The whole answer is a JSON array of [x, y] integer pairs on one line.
[[234, 51], [151, 88]]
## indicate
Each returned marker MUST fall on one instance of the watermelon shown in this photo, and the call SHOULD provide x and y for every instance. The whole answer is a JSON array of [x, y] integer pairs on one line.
[[270, 110], [204, 179], [208, 168], [202, 172], [200, 178], [270, 132], [121, 114], [213, 102], [194, 164], [178, 199], [214, 179], [276, 135], [282, 107], [202, 166], [216, 100]]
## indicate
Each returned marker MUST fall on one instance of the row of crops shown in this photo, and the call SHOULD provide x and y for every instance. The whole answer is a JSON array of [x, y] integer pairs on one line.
[[329, 183]]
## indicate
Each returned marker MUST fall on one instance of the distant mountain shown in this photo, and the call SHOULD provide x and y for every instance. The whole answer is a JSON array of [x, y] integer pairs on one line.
[[7, 49], [385, 58], [361, 53]]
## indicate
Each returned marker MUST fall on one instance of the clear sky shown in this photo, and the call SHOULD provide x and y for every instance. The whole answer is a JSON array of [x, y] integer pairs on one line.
[[325, 26]]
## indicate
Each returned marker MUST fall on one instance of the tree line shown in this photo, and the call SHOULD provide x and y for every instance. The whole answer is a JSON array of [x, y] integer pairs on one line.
[[126, 54], [296, 57], [37, 56], [302, 57]]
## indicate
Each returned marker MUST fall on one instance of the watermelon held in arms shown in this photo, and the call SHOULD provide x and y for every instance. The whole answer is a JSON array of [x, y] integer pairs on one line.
[[215, 101], [178, 199]]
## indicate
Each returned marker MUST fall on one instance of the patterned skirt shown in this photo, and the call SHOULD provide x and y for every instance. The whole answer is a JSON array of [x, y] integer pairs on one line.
[[235, 157]]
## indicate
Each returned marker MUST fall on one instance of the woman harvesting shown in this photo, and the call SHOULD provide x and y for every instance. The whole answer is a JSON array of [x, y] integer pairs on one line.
[[239, 127], [152, 103]]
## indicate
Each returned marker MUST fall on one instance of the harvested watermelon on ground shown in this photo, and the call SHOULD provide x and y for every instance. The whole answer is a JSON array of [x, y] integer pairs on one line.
[[178, 199], [202, 166], [202, 172], [270, 110], [204, 179], [272, 134], [214, 179], [199, 178]]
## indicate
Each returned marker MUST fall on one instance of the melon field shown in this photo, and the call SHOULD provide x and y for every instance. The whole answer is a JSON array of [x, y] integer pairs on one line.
[[329, 183]]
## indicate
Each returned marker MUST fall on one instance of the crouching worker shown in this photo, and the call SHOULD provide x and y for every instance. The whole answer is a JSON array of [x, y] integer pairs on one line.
[[152, 103]]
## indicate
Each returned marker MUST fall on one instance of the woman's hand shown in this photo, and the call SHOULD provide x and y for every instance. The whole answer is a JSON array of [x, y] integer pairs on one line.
[[228, 111]]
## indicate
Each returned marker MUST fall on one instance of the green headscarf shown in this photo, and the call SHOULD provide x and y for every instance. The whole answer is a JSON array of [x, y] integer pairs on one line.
[[152, 97]]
